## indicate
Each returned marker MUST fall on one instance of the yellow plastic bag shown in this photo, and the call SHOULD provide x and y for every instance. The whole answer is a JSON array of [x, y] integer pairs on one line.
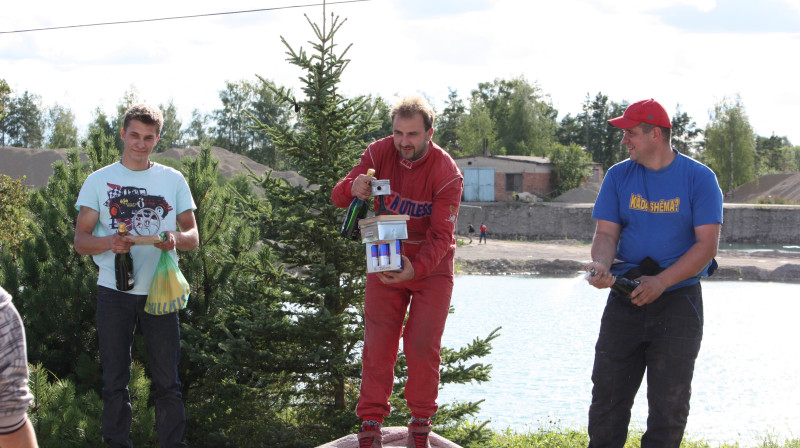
[[170, 290]]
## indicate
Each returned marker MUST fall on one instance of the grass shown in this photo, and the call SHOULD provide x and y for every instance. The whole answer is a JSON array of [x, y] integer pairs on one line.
[[552, 437]]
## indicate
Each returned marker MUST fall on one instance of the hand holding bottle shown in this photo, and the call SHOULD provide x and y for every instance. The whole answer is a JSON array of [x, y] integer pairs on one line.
[[361, 185]]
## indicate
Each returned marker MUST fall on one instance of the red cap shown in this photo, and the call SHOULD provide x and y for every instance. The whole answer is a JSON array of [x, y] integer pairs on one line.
[[645, 111]]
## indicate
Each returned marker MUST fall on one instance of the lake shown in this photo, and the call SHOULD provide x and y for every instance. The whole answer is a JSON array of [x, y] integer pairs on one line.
[[747, 376]]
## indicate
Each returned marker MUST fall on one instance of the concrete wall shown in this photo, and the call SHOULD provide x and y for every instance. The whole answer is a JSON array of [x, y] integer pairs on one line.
[[743, 223]]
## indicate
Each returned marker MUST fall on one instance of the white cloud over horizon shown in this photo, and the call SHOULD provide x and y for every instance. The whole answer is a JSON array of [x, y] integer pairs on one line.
[[626, 49]]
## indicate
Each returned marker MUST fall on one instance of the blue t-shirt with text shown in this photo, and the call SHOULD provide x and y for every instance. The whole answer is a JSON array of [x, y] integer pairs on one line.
[[658, 210]]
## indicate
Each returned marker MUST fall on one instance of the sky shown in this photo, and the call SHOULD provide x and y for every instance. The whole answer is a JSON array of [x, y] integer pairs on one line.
[[687, 54]]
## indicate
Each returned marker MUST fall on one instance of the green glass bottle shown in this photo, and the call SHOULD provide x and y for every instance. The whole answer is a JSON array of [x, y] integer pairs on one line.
[[357, 210], [123, 265]]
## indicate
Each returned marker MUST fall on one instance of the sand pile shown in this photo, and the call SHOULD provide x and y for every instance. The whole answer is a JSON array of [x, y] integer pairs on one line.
[[37, 164], [586, 193], [780, 185]]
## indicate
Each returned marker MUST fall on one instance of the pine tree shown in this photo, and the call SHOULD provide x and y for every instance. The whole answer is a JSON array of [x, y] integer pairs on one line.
[[55, 287], [323, 277], [324, 274]]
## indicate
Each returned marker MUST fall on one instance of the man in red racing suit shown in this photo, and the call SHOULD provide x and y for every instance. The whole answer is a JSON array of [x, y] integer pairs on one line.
[[425, 184]]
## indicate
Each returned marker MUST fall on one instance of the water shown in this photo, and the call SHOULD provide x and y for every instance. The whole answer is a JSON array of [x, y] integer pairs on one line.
[[746, 377]]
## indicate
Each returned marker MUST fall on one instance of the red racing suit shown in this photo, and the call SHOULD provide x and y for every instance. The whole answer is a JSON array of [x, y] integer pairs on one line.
[[429, 191]]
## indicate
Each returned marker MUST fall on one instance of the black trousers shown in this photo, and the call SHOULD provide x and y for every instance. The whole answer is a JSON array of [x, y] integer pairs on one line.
[[662, 338]]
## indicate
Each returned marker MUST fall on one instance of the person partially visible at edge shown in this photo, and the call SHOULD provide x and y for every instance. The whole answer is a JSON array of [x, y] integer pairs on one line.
[[16, 430], [659, 214], [150, 198], [483, 234], [426, 184]]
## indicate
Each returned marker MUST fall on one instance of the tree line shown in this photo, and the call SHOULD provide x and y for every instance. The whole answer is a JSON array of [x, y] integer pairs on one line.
[[507, 116]]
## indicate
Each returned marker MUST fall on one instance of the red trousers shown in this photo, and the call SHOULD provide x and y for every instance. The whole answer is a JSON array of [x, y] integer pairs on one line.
[[428, 303]]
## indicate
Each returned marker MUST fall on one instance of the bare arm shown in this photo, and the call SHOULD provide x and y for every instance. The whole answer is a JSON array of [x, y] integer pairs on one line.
[[688, 265], [186, 238], [604, 249], [88, 244], [24, 437]]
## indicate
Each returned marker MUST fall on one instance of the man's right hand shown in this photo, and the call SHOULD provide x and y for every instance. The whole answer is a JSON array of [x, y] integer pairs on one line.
[[602, 278], [361, 187], [120, 244]]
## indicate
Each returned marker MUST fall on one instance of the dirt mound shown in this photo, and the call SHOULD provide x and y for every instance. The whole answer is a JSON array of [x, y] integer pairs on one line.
[[784, 186], [586, 193], [37, 164], [230, 164]]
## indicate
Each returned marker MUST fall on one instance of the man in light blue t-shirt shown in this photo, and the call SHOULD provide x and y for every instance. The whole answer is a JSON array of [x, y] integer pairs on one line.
[[658, 215], [149, 199]]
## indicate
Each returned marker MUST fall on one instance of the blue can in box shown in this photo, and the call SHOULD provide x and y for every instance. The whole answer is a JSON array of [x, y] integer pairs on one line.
[[375, 261], [384, 251]]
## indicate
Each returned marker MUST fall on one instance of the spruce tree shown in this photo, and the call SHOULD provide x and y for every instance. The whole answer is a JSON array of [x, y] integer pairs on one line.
[[322, 277]]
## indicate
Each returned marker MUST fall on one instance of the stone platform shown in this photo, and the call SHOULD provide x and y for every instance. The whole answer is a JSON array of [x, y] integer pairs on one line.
[[393, 436]]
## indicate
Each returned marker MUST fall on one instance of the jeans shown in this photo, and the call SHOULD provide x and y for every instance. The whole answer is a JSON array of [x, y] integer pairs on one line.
[[663, 338], [117, 315]]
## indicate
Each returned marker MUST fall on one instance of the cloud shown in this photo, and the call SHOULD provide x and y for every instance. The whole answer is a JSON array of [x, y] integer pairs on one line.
[[734, 16], [426, 9]]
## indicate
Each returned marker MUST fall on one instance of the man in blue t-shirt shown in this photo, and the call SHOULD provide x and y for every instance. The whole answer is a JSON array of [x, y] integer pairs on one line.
[[149, 199], [658, 215]]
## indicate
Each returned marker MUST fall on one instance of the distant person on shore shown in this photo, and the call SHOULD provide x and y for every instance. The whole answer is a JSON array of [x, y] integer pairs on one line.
[[15, 397], [483, 234], [427, 185], [470, 231], [660, 213]]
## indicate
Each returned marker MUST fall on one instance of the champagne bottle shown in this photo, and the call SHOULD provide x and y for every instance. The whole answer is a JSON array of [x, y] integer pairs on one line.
[[622, 285], [356, 211], [123, 265]]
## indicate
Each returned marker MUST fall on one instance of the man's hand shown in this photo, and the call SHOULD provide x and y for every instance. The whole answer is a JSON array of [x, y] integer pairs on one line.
[[361, 187], [167, 244], [648, 290], [120, 244], [602, 278], [405, 275]]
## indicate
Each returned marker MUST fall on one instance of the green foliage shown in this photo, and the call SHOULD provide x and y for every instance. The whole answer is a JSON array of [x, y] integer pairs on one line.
[[61, 129], [100, 129], [570, 167], [524, 119], [242, 103], [196, 133], [13, 213], [63, 417], [4, 91], [171, 132], [775, 154], [22, 125], [730, 143], [381, 113], [591, 130], [475, 130], [684, 132], [448, 122]]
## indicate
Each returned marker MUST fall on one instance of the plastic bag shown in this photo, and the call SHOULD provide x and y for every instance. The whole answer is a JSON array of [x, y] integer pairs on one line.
[[170, 290]]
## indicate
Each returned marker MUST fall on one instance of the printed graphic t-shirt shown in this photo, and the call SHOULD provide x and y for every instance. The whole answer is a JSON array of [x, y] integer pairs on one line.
[[147, 202], [658, 210]]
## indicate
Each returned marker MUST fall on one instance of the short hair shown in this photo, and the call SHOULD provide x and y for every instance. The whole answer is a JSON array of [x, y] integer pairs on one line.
[[146, 114], [666, 133], [408, 106]]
